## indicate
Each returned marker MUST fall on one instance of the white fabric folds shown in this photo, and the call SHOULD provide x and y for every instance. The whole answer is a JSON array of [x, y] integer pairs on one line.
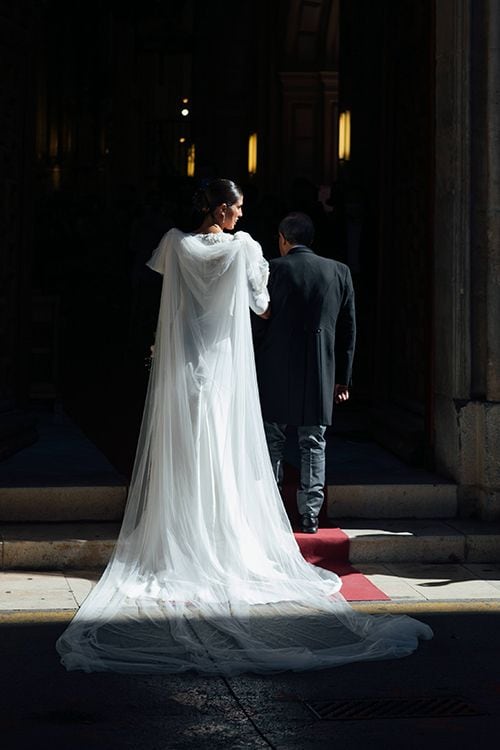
[[206, 574]]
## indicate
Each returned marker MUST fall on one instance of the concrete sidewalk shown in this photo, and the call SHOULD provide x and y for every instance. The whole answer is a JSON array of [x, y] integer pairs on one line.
[[410, 587]]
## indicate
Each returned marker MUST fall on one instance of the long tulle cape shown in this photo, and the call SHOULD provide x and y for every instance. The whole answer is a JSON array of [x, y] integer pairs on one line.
[[206, 574]]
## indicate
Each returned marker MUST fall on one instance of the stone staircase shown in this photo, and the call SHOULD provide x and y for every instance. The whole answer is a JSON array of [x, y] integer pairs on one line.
[[393, 512], [61, 503]]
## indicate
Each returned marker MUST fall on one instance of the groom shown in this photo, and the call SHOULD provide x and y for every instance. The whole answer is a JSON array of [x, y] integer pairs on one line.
[[304, 356]]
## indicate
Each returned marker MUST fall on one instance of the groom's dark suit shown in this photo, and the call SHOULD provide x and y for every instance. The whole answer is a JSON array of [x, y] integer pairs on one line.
[[307, 345]]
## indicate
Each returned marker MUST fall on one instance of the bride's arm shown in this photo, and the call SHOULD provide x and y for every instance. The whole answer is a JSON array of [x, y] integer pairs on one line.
[[257, 269], [157, 260]]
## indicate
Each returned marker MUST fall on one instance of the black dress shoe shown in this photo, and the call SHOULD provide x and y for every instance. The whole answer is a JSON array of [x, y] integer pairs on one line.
[[309, 523]]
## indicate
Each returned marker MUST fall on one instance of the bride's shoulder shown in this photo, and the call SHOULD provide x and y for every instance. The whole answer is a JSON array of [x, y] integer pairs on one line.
[[174, 232], [247, 239], [172, 235], [241, 235], [179, 238]]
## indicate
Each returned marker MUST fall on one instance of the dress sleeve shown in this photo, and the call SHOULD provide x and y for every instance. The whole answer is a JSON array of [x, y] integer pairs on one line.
[[257, 269], [157, 260]]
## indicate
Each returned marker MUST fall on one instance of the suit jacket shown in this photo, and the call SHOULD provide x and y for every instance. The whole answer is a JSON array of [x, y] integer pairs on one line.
[[307, 345]]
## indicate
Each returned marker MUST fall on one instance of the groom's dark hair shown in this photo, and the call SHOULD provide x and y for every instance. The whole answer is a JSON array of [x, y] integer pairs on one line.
[[297, 229]]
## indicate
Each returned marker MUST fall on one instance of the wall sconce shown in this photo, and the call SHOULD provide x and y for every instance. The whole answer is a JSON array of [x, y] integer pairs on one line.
[[252, 154], [345, 136], [191, 155]]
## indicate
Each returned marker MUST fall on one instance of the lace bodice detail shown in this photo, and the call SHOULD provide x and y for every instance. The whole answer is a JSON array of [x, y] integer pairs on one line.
[[205, 256]]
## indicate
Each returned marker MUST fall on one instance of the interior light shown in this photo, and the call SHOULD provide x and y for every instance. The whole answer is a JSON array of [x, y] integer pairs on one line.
[[184, 112], [252, 154], [182, 140], [54, 142], [56, 177], [345, 136], [191, 160]]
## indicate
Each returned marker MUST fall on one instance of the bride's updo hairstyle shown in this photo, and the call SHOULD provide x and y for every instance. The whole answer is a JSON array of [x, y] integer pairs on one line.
[[219, 191]]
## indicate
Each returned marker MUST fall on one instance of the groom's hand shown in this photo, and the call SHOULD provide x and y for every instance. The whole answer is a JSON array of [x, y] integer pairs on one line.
[[341, 393]]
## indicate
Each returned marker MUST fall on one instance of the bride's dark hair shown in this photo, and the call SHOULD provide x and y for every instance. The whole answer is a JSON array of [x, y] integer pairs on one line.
[[218, 191]]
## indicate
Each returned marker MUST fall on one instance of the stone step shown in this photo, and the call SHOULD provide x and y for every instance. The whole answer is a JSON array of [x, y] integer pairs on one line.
[[57, 546], [366, 481], [61, 477], [423, 540], [103, 502], [374, 500], [106, 502]]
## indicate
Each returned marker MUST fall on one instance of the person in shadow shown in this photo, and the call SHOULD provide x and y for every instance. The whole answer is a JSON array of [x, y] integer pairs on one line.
[[304, 355]]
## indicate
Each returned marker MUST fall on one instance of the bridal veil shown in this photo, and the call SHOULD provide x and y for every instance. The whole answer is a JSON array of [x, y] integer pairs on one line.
[[206, 574]]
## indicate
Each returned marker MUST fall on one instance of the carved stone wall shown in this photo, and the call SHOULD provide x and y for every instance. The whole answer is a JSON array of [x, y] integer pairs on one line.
[[467, 252]]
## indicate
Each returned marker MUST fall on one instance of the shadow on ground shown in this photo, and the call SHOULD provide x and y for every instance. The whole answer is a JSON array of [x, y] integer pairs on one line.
[[42, 705]]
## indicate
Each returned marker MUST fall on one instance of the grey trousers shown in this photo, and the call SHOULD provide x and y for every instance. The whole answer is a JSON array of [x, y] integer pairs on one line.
[[312, 443]]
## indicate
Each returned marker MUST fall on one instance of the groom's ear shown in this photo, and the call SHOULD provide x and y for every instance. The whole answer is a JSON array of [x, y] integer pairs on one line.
[[281, 243]]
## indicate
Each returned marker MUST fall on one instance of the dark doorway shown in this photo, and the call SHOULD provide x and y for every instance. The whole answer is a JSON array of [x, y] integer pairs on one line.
[[135, 102]]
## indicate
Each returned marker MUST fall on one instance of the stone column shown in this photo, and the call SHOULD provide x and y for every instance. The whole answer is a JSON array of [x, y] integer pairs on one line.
[[467, 251]]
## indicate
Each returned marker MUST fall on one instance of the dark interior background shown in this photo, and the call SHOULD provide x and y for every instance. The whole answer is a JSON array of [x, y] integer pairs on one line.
[[95, 171]]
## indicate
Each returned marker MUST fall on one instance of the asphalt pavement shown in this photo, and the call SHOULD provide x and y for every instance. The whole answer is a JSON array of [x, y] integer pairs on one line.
[[445, 695]]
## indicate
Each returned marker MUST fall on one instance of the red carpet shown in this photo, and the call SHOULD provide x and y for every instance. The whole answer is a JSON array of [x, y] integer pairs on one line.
[[329, 548]]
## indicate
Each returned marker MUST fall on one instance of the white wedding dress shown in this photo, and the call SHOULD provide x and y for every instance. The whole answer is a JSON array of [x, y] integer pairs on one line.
[[206, 574]]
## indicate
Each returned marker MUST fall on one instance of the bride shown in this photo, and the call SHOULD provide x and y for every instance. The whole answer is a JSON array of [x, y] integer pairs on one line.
[[206, 574]]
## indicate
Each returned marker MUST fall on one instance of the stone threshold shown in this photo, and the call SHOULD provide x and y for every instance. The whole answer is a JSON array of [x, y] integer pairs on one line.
[[382, 499], [101, 502], [59, 546]]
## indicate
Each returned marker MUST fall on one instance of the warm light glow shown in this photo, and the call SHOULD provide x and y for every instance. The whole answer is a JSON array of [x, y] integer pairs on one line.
[[345, 136], [184, 112], [252, 154], [191, 160], [54, 142], [185, 101], [182, 140], [55, 177]]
